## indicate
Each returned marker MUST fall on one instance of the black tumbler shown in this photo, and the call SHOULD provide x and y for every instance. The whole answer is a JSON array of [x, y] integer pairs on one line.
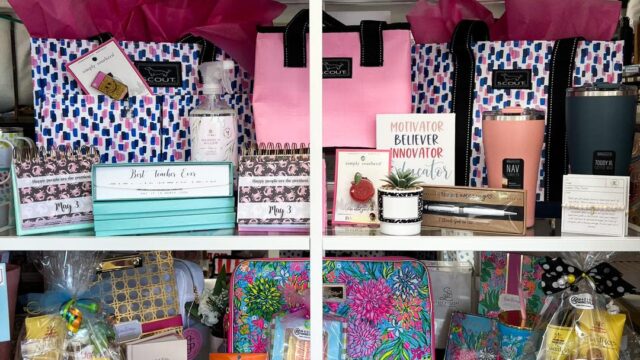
[[600, 128]]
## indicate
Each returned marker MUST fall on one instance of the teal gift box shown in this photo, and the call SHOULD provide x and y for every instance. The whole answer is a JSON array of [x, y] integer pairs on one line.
[[151, 198]]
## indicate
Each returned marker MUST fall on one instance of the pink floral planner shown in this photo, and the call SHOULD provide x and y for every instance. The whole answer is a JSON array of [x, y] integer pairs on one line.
[[53, 190], [273, 192]]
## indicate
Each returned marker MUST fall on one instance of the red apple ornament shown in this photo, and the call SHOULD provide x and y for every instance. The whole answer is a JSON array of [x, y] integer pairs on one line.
[[362, 189]]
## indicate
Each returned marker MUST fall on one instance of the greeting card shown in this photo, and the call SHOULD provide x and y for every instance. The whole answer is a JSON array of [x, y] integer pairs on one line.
[[423, 143]]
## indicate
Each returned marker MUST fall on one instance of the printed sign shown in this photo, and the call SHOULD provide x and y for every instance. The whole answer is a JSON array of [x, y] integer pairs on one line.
[[422, 143]]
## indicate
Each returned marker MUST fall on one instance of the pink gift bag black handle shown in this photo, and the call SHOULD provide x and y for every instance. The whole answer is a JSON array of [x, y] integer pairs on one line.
[[371, 41]]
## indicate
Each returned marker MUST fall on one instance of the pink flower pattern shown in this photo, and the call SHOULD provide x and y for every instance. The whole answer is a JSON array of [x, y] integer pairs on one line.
[[362, 339], [371, 300]]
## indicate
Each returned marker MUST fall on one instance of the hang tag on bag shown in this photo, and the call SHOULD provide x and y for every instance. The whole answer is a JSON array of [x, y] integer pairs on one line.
[[108, 59]]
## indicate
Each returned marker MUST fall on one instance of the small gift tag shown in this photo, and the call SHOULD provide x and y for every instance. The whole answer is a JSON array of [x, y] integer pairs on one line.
[[105, 69], [595, 205]]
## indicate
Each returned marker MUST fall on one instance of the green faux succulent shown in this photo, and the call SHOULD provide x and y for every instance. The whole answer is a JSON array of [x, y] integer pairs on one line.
[[402, 179]]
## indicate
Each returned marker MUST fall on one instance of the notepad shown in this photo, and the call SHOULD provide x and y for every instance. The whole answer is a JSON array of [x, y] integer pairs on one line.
[[273, 189], [595, 205], [52, 190]]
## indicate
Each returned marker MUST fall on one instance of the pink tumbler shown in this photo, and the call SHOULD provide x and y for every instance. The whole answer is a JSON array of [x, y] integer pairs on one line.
[[513, 140]]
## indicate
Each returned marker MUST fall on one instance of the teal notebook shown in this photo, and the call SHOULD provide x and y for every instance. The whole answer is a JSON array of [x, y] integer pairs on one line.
[[165, 224], [4, 305], [149, 208]]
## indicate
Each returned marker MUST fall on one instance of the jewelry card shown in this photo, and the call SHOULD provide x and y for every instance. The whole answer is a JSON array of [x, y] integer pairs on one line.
[[110, 67], [359, 174], [595, 205]]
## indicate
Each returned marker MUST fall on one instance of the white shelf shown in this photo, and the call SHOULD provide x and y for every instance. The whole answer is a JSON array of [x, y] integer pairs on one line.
[[481, 243], [142, 243]]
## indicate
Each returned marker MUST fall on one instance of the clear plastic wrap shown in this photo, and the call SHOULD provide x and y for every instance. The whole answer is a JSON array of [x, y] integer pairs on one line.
[[581, 319], [66, 322], [290, 337]]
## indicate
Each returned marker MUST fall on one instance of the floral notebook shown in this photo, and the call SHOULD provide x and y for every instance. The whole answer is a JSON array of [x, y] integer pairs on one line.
[[273, 192], [500, 276], [53, 190], [472, 337]]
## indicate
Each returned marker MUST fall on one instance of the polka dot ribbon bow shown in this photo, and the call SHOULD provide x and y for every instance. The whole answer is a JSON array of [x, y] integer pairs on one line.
[[559, 276]]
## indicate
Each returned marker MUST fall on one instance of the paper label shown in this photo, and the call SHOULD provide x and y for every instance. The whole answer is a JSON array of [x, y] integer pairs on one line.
[[133, 182], [334, 293], [402, 208], [512, 174], [581, 301], [595, 205], [127, 331], [302, 334], [509, 302], [604, 163], [213, 137], [273, 210]]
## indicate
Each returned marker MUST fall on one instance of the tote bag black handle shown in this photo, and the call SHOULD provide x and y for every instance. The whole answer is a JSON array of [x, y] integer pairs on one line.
[[295, 40]]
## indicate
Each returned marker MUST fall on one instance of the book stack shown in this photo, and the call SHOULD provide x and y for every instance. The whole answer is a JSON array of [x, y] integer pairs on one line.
[[136, 199]]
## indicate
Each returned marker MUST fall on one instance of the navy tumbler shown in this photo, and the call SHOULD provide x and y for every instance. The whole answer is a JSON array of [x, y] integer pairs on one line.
[[600, 128]]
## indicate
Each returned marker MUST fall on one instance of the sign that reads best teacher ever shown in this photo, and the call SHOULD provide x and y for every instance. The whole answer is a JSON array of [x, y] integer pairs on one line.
[[423, 143]]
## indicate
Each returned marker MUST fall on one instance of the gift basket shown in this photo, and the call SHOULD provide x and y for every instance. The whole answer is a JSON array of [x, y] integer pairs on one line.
[[66, 322], [581, 318]]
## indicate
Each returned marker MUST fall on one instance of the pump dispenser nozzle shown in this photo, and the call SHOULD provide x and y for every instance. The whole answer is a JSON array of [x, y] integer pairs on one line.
[[215, 76]]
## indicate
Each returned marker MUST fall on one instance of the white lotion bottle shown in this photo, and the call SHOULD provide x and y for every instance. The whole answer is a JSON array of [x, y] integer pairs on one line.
[[213, 124]]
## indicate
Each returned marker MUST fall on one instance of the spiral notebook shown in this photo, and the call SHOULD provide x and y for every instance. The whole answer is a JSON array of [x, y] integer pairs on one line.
[[273, 188], [52, 189]]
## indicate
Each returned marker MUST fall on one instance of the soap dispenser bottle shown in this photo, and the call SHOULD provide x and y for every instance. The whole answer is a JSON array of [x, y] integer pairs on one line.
[[213, 124]]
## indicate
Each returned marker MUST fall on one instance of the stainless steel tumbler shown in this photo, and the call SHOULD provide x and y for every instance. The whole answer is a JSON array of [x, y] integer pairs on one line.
[[600, 128]]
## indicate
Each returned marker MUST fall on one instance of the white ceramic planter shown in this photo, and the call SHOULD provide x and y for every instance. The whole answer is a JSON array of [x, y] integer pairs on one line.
[[400, 210]]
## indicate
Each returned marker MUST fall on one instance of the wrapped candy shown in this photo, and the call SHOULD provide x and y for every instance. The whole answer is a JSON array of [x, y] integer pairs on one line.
[[581, 319], [70, 324]]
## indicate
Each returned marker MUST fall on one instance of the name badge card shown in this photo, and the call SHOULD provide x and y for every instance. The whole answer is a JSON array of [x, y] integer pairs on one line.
[[167, 181], [595, 205], [422, 143]]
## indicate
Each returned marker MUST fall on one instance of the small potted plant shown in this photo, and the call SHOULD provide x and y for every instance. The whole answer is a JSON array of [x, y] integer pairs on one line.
[[400, 204]]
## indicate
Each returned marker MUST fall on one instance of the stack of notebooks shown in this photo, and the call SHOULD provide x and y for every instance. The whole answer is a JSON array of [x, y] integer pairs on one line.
[[132, 199], [273, 189]]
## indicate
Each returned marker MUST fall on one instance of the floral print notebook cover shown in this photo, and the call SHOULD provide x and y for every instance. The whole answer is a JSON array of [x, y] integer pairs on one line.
[[472, 337], [273, 191]]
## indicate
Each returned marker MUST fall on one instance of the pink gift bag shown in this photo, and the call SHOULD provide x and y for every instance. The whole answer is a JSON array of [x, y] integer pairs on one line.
[[366, 71]]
